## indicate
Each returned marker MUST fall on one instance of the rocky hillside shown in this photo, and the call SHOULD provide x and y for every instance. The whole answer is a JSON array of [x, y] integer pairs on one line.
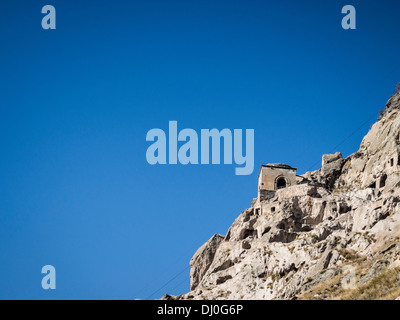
[[335, 235]]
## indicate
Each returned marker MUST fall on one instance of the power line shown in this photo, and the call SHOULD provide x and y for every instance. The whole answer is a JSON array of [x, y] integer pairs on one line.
[[184, 254], [172, 279], [183, 281], [151, 282], [347, 138], [168, 282]]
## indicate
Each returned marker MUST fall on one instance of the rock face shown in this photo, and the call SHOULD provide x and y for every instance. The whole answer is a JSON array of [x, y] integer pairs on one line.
[[346, 217], [202, 259], [331, 168]]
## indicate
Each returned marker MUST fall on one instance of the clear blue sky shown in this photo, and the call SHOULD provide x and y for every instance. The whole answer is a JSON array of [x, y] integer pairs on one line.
[[76, 103]]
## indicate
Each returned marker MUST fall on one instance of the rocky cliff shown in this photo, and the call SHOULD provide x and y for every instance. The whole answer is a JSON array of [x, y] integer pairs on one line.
[[335, 235]]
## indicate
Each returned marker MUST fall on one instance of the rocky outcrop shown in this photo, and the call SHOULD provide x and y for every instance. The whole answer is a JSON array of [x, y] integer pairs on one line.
[[202, 260], [331, 168], [345, 217]]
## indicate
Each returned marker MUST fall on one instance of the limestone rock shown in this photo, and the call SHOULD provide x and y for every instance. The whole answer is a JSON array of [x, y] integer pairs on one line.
[[202, 259], [346, 215], [331, 168]]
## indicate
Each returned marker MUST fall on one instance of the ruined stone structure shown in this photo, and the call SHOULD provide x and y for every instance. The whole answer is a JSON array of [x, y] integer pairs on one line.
[[276, 176], [273, 177]]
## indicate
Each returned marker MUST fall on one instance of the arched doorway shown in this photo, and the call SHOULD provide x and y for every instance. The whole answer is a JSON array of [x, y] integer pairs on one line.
[[280, 183]]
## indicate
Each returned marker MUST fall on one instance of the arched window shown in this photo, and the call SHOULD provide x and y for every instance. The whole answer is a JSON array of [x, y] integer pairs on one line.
[[281, 183]]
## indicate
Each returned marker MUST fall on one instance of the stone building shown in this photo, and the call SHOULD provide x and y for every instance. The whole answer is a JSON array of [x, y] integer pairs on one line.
[[276, 176], [271, 178]]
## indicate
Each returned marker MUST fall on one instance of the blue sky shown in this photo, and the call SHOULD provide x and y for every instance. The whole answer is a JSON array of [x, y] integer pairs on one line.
[[76, 103]]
